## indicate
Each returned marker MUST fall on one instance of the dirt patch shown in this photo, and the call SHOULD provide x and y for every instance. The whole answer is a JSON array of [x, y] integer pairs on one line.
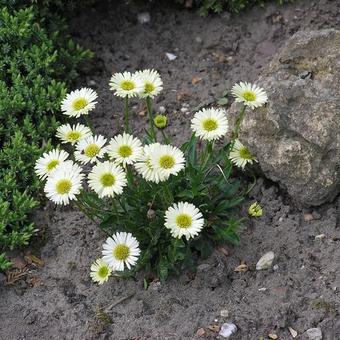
[[212, 53]]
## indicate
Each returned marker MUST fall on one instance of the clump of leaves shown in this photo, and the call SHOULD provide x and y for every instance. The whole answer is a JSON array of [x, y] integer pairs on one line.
[[36, 61], [164, 206]]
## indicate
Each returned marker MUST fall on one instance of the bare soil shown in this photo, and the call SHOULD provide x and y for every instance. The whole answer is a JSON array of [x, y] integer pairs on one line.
[[57, 300]]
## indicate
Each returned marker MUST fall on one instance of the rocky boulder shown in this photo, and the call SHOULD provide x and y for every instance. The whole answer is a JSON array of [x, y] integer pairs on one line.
[[296, 137]]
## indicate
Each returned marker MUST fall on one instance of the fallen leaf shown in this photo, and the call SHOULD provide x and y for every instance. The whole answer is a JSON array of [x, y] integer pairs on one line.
[[214, 328], [200, 332], [223, 250], [243, 267], [15, 275], [34, 259], [196, 80], [182, 95]]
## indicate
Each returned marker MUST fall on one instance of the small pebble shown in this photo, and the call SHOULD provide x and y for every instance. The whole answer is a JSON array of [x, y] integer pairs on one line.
[[293, 332], [266, 261], [92, 82], [276, 267], [320, 237], [171, 56], [224, 313], [272, 336], [198, 40], [144, 17], [161, 109], [308, 217], [263, 289], [314, 334], [228, 329], [184, 109]]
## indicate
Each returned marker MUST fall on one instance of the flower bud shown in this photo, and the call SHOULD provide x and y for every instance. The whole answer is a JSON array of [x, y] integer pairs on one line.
[[160, 121], [255, 210]]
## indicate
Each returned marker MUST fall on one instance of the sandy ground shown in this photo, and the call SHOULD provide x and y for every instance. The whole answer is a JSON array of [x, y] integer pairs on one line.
[[57, 300]]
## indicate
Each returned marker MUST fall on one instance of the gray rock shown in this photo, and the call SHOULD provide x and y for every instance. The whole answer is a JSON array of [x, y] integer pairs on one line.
[[266, 261], [296, 137], [314, 334]]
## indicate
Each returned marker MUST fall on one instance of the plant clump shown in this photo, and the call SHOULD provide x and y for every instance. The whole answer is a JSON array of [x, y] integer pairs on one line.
[[163, 205]]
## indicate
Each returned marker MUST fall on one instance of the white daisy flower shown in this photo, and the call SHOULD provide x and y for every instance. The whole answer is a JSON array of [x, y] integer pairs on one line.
[[90, 149], [240, 155], [144, 166], [79, 102], [152, 83], [73, 134], [48, 162], [183, 219], [100, 271], [121, 250], [107, 179], [210, 124], [64, 183], [167, 160], [126, 84], [125, 149], [249, 94]]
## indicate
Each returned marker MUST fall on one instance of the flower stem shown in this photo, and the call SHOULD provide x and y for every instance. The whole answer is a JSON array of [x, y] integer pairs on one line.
[[126, 115], [237, 128], [151, 123], [206, 153], [129, 174], [167, 195]]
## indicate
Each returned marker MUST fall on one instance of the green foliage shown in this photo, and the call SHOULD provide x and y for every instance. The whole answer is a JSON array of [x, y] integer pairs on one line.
[[140, 210], [36, 62], [4, 263]]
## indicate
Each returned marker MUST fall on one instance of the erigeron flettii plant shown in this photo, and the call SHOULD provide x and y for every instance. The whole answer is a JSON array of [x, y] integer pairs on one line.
[[162, 206]]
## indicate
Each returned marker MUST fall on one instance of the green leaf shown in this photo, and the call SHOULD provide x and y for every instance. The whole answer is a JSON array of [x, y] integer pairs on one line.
[[162, 269]]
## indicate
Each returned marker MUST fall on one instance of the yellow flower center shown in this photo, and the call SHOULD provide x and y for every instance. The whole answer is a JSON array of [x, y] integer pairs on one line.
[[245, 153], [166, 162], [107, 180], [125, 151], [121, 252], [52, 164], [91, 150], [149, 88], [183, 220], [249, 96], [63, 186], [79, 103], [210, 124], [73, 136], [127, 85], [103, 272]]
